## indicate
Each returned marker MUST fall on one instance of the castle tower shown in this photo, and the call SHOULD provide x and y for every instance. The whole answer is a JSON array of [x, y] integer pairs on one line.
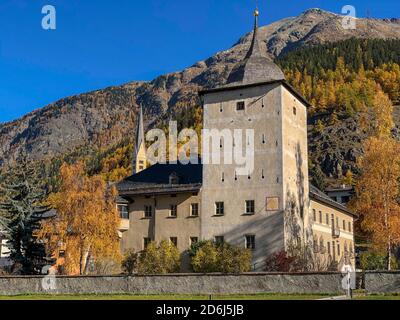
[[267, 209], [139, 162]]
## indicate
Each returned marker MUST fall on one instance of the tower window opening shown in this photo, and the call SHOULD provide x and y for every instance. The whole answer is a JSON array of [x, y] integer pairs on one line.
[[240, 106]]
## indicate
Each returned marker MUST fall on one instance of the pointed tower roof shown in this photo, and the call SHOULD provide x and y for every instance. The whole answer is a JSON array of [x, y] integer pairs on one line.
[[256, 66], [140, 131]]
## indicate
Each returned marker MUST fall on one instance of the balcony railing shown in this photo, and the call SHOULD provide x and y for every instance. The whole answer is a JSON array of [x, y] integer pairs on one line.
[[335, 232]]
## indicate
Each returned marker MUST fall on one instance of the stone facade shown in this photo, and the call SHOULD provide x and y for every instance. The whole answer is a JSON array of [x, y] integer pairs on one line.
[[280, 143], [184, 226], [333, 234]]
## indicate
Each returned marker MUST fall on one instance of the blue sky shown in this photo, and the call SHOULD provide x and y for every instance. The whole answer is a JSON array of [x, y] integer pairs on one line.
[[99, 43]]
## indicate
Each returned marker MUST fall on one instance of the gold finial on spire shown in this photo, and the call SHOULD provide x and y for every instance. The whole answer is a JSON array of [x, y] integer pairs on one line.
[[256, 12]]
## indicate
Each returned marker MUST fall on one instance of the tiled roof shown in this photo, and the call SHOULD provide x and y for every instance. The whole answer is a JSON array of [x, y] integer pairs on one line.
[[339, 188], [156, 179], [318, 195]]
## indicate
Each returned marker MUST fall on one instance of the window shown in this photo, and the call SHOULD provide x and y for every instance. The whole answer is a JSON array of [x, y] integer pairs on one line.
[[141, 168], [219, 208], [327, 219], [141, 162], [240, 106], [349, 226], [173, 178], [250, 204], [193, 240], [344, 225], [194, 210], [250, 242], [174, 241], [173, 211], [338, 249], [146, 242], [148, 211], [345, 199], [123, 211], [320, 217], [314, 215], [219, 240], [328, 245], [315, 244], [294, 111]]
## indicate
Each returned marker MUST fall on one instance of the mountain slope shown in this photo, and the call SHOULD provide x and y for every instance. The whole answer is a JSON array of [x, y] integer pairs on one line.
[[102, 118]]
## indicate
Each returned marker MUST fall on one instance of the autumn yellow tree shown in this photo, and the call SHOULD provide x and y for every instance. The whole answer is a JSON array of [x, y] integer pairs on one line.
[[377, 193], [86, 223], [378, 186]]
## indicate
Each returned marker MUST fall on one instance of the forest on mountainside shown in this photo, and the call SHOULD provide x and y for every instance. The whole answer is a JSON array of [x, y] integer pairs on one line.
[[341, 81]]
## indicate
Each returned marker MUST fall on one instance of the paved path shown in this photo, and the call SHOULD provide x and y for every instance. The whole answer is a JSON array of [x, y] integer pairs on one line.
[[336, 298]]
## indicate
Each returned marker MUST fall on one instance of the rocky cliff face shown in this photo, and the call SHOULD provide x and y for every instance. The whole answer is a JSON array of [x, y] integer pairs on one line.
[[106, 116]]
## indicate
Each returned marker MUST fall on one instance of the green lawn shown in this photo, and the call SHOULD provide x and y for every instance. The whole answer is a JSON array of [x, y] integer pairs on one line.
[[165, 297]]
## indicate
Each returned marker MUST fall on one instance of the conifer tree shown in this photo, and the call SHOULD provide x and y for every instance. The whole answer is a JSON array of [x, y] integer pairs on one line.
[[21, 211]]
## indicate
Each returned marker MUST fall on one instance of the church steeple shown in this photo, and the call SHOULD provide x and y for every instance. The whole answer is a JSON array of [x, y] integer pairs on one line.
[[256, 65], [139, 155]]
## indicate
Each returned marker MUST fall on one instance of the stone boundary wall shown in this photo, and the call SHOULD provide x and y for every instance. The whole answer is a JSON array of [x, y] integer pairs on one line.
[[382, 282], [176, 284]]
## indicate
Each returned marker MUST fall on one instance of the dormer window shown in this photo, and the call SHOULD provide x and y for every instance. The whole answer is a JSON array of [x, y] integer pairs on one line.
[[240, 106], [173, 178]]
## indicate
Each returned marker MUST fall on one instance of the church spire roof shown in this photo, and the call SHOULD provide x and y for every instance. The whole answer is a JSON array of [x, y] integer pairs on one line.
[[256, 65], [139, 155], [255, 48], [140, 130]]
